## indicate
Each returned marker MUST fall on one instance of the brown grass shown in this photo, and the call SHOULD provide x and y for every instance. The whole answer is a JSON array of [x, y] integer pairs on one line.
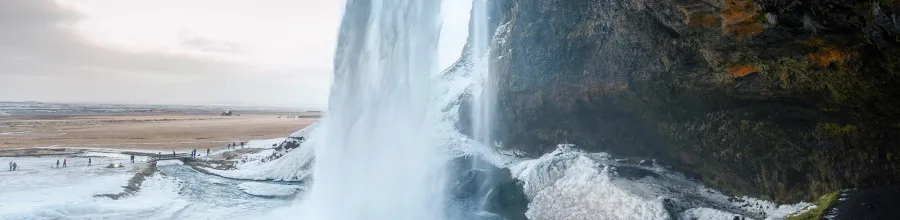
[[172, 131]]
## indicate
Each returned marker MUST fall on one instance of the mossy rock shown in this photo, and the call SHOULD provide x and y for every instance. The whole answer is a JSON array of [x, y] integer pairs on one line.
[[822, 205]]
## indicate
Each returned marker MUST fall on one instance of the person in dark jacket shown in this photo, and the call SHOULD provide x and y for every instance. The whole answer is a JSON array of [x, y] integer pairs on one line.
[[15, 166], [89, 161], [64, 162], [57, 163]]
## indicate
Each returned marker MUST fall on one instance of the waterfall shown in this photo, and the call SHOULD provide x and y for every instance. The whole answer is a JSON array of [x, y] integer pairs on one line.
[[483, 94], [484, 85], [377, 158]]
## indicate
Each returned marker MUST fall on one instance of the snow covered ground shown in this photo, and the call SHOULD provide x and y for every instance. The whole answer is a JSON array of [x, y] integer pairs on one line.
[[294, 165], [39, 191], [38, 188]]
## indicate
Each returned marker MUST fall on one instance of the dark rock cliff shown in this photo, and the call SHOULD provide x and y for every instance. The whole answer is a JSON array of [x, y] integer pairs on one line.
[[778, 99]]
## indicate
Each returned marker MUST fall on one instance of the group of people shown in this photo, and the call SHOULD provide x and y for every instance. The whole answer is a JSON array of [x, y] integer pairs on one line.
[[13, 166], [194, 153], [233, 145], [64, 163]]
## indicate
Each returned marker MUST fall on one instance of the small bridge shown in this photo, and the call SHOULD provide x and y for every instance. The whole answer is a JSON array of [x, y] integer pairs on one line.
[[181, 156]]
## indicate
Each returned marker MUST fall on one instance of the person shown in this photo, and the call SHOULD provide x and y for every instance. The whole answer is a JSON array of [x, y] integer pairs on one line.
[[57, 163], [64, 162], [242, 144], [89, 161], [15, 166], [207, 151], [173, 153], [132, 158]]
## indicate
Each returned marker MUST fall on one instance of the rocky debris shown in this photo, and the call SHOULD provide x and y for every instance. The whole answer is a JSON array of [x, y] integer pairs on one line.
[[134, 184]]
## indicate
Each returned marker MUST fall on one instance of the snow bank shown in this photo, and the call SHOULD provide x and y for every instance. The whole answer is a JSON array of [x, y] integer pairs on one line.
[[572, 184], [305, 131], [158, 199], [295, 165], [568, 184], [269, 189]]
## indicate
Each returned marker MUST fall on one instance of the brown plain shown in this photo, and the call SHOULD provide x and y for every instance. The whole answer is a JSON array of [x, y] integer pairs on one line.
[[163, 131]]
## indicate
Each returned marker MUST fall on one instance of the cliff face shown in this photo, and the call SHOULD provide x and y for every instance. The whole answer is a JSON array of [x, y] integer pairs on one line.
[[783, 100]]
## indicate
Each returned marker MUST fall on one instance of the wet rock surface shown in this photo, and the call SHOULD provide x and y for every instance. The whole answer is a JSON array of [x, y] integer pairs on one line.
[[780, 100], [483, 191], [867, 204]]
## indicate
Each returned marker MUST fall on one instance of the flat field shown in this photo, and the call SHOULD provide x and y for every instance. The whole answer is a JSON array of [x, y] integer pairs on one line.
[[169, 131]]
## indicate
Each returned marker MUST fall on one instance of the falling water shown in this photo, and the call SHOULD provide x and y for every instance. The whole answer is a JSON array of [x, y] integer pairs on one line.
[[484, 84], [378, 159], [483, 91]]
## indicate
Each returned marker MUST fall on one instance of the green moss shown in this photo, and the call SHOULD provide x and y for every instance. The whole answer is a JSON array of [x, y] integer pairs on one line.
[[835, 129], [822, 204]]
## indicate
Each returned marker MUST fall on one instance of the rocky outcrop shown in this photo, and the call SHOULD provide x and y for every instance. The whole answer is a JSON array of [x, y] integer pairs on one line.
[[782, 100]]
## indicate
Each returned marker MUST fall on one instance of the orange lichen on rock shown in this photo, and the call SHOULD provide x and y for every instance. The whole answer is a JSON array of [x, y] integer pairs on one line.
[[746, 30], [739, 18], [827, 55], [784, 80], [742, 70], [708, 19], [737, 11], [812, 41]]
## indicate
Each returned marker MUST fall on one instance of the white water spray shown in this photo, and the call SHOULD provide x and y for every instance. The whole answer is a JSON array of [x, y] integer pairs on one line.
[[377, 159]]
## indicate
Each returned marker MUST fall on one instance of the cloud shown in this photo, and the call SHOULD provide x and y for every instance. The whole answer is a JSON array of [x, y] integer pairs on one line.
[[38, 40], [43, 57], [209, 45]]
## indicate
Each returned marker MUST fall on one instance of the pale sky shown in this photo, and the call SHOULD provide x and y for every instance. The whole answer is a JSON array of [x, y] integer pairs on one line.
[[198, 52], [274, 53]]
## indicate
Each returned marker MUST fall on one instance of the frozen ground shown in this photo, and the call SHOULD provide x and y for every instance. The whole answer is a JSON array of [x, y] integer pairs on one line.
[[38, 191]]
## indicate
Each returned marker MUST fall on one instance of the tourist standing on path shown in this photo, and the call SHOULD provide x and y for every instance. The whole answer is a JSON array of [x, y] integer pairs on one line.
[[64, 162], [57, 163], [15, 166], [10, 165], [207, 151], [132, 158], [89, 161]]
